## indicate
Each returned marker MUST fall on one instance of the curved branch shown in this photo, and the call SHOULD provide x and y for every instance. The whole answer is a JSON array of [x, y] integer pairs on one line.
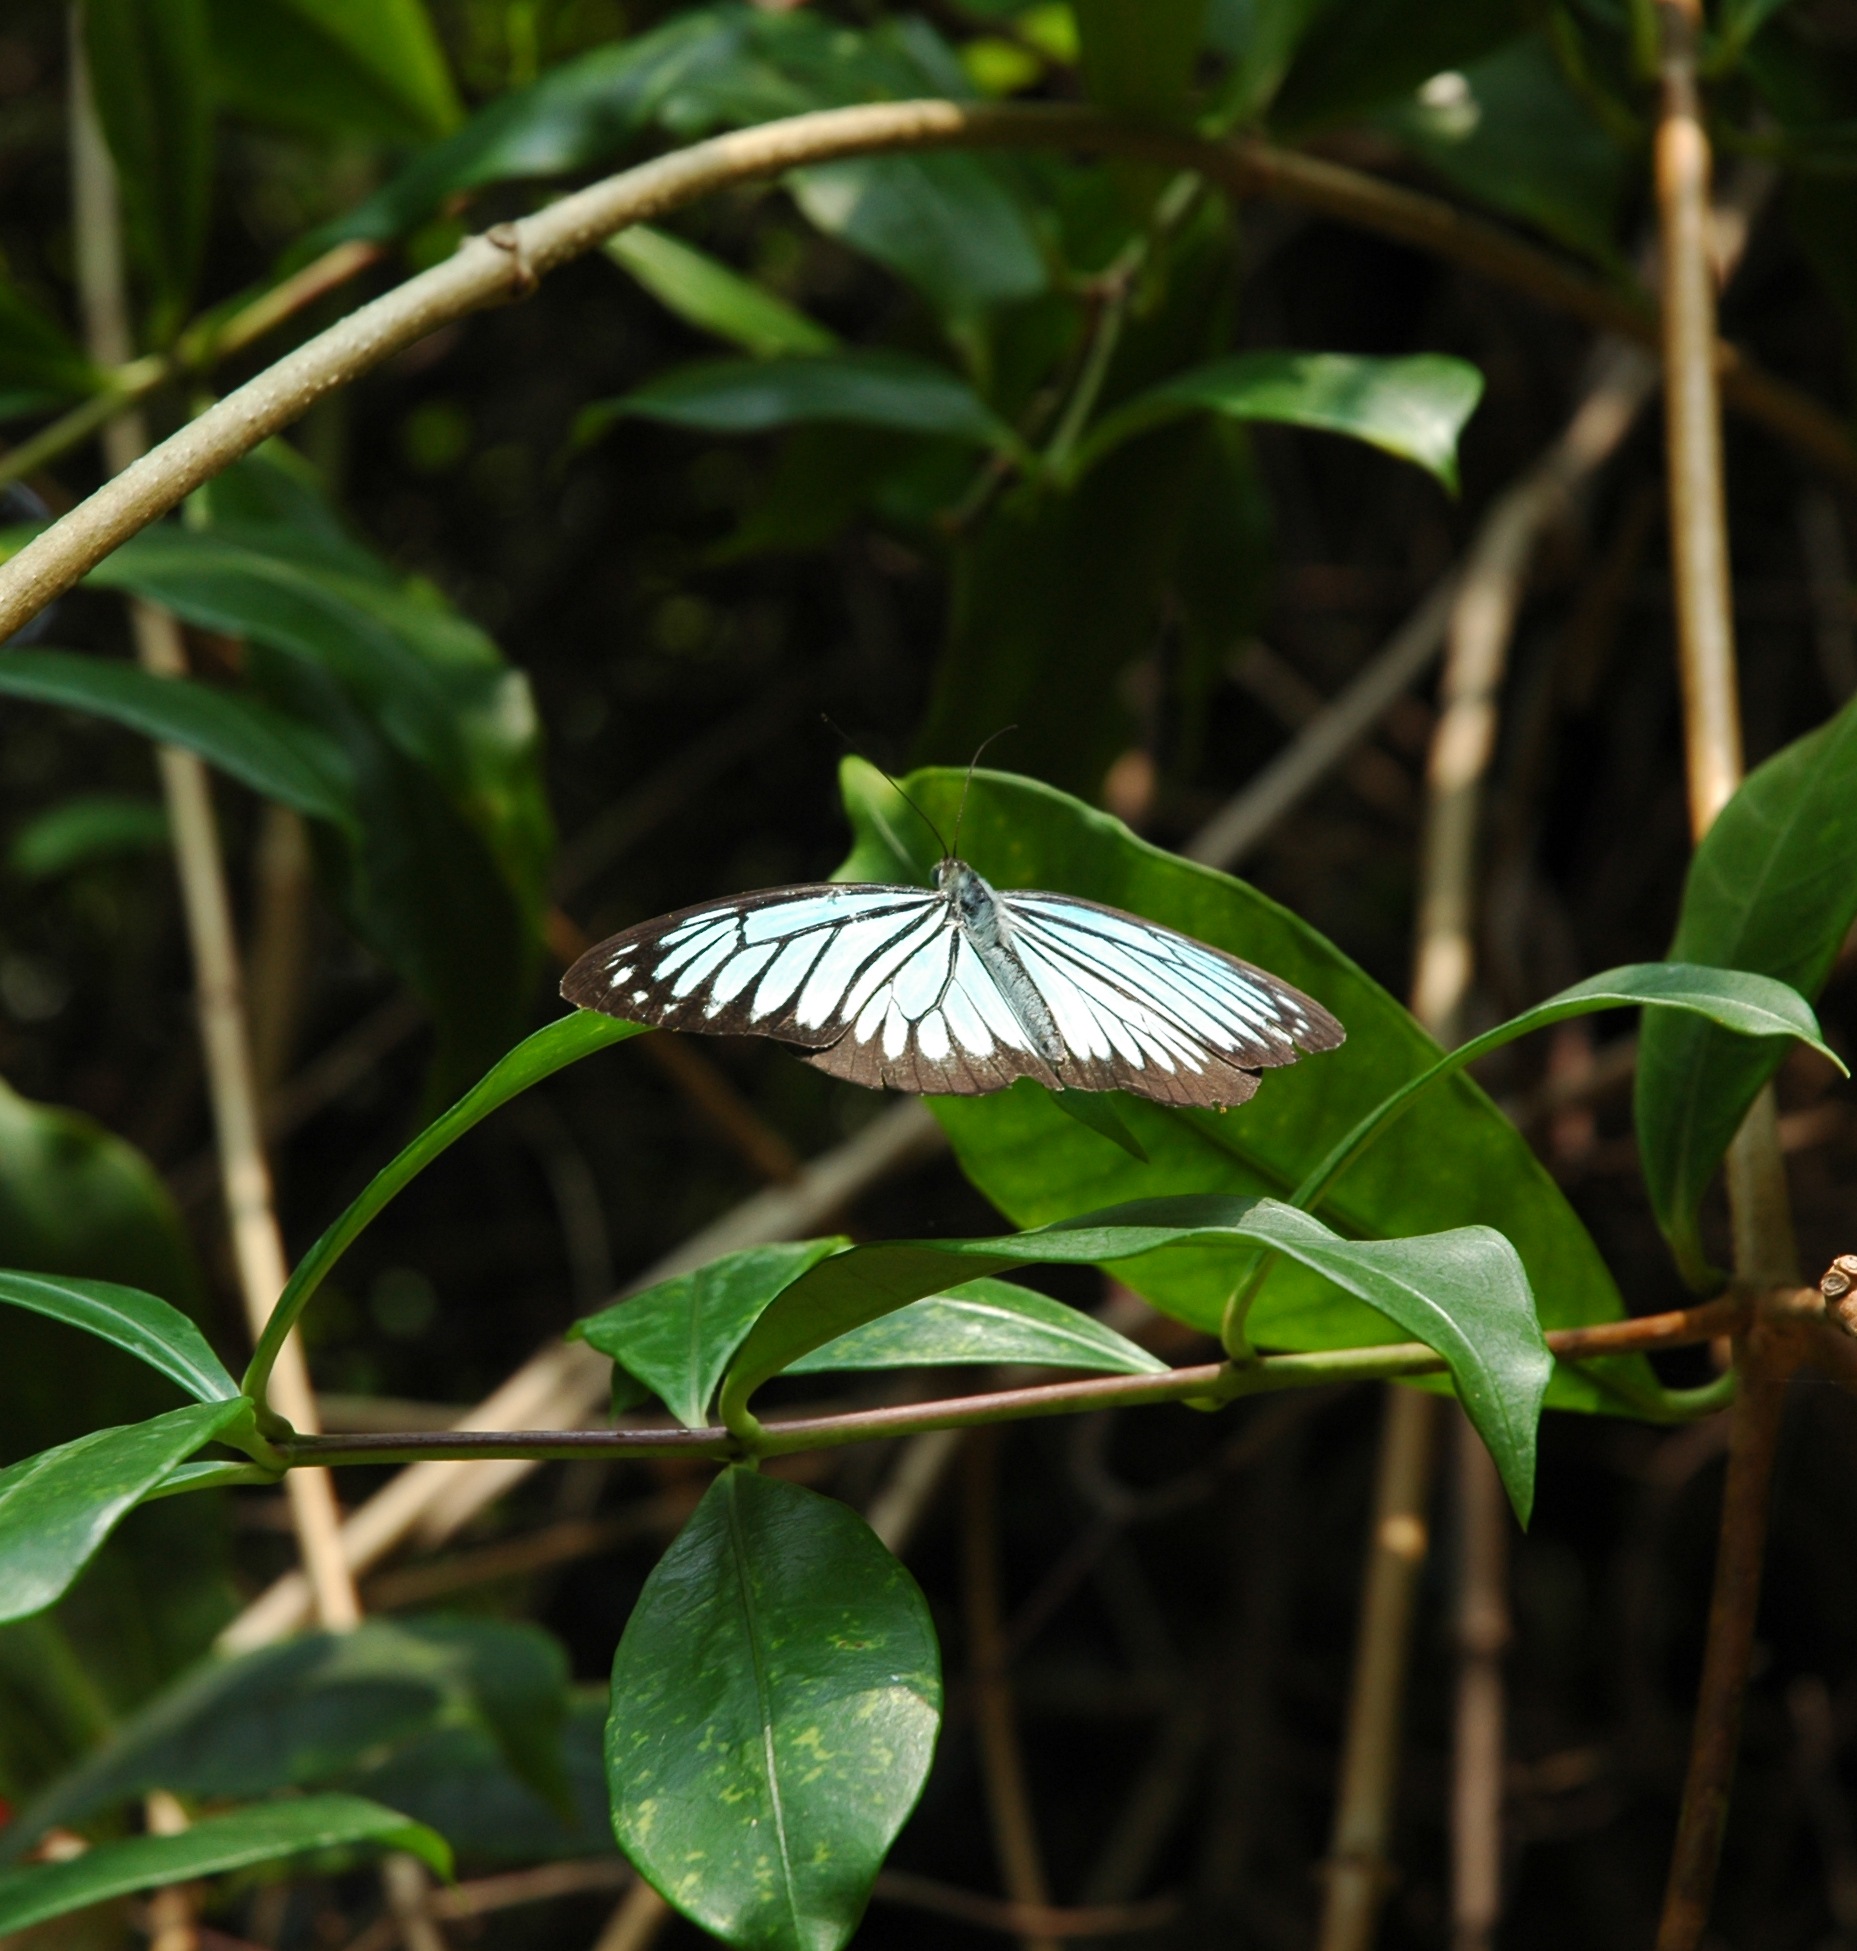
[[507, 261]]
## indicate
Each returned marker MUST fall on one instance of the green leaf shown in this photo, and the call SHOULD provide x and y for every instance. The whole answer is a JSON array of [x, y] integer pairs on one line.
[[40, 365], [861, 388], [982, 1321], [677, 1337], [148, 1328], [328, 67], [81, 831], [1511, 132], [1743, 1005], [947, 224], [1413, 408], [775, 1703], [1139, 55], [1459, 1161], [1772, 889], [148, 75], [1097, 1110], [1463, 1293], [263, 749], [706, 293], [324, 1710], [57, 1508], [536, 1057], [212, 1846]]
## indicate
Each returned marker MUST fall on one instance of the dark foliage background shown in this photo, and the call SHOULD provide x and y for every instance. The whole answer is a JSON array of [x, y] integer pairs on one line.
[[1186, 1671]]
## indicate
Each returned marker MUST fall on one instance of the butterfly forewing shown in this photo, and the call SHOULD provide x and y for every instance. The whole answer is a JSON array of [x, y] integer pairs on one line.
[[885, 986]]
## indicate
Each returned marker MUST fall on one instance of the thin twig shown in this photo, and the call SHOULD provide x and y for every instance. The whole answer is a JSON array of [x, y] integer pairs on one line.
[[1764, 1248], [1031, 1923], [506, 263], [1207, 1381]]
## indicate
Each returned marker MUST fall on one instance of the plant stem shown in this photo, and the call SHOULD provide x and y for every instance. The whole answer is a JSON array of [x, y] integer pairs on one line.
[[506, 263], [245, 1177], [1357, 1872], [1763, 1240], [1209, 1381]]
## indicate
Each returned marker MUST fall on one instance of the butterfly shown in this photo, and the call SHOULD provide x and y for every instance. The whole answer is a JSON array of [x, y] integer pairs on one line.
[[959, 989]]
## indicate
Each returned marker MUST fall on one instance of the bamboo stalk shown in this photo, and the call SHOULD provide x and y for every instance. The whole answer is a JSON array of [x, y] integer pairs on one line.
[[244, 1175], [1756, 1173]]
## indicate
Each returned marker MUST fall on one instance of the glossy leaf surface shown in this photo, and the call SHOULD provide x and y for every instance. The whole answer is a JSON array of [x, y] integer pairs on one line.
[[677, 1337], [272, 754], [57, 1508], [776, 1697], [706, 293], [328, 65], [212, 1846], [1463, 1293], [145, 1326], [1772, 890], [1413, 408], [982, 1321], [1457, 1162]]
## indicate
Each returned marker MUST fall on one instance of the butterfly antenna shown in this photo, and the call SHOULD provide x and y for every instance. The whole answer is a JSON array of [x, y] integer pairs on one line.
[[961, 813], [857, 751]]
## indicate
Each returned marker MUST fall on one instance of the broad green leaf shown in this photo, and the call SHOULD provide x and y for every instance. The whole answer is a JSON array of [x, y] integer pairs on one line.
[[1772, 889], [1370, 53], [862, 388], [1457, 1161], [147, 1327], [677, 1337], [1463, 1293], [1413, 408], [982, 1321], [948, 224], [1096, 1110], [148, 75], [1260, 38], [775, 1702], [1139, 55], [40, 364], [57, 1508], [212, 1846], [329, 67], [706, 293], [1511, 132], [81, 831], [324, 1710], [536, 1057], [263, 749]]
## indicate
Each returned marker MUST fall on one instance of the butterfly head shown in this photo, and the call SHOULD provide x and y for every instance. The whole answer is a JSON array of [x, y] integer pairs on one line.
[[969, 893]]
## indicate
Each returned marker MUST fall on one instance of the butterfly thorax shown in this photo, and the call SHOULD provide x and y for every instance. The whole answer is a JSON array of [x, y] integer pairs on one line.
[[984, 922], [974, 901]]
